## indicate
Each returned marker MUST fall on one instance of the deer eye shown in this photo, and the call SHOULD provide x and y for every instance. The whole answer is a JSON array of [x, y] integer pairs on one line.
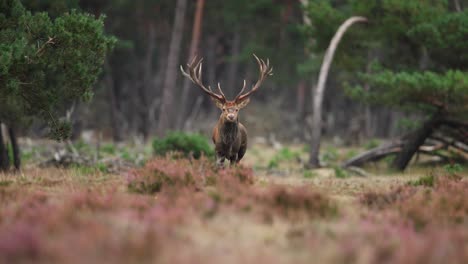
[[237, 110]]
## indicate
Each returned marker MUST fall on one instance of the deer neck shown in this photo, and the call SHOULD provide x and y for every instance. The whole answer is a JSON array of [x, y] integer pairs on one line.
[[228, 131]]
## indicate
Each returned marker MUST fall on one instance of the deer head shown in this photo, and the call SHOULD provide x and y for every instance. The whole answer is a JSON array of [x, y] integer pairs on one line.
[[230, 108]]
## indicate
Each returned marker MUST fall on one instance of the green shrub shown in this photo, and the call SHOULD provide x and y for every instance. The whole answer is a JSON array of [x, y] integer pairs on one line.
[[284, 154], [340, 172], [308, 174], [330, 155], [453, 168], [108, 148], [190, 145], [427, 181], [373, 143]]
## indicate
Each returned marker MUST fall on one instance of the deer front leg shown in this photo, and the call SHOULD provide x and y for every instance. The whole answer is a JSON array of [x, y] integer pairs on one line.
[[220, 160], [233, 160]]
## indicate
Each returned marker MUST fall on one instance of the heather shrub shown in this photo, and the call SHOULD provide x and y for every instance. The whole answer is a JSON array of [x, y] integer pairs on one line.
[[427, 181], [163, 173], [445, 203], [387, 239], [189, 145], [167, 173], [296, 201]]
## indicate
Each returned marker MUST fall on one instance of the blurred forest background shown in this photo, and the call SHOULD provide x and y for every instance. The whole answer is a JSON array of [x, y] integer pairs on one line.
[[142, 77], [401, 71]]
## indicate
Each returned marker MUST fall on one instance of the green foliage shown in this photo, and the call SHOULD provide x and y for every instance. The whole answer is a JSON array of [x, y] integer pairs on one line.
[[5, 183], [340, 172], [330, 155], [284, 154], [45, 63], [194, 145], [427, 181], [453, 168], [109, 148], [422, 47], [351, 153], [373, 143], [419, 90], [445, 38], [308, 174]]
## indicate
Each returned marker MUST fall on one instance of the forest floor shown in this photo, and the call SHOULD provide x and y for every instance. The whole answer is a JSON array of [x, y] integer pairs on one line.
[[273, 213]]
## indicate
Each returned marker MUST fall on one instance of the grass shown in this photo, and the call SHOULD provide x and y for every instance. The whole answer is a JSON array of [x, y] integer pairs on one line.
[[194, 213]]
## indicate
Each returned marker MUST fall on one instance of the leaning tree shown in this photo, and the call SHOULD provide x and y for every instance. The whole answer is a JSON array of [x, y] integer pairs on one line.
[[434, 87], [412, 56], [45, 65]]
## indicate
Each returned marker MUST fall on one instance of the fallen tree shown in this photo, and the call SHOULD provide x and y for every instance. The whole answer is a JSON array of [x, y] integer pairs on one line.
[[442, 143]]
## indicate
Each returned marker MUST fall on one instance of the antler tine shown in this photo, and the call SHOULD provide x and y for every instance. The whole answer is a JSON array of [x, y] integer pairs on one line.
[[195, 67], [220, 90], [265, 71], [242, 90]]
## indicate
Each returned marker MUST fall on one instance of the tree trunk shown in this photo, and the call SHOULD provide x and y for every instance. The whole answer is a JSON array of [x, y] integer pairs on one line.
[[319, 91], [113, 104], [4, 159], [15, 148], [458, 7], [211, 61], [147, 82], [196, 35], [233, 64], [165, 112], [414, 141], [300, 100]]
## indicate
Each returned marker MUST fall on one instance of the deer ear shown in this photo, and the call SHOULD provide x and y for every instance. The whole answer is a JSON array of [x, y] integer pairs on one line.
[[217, 103], [244, 103]]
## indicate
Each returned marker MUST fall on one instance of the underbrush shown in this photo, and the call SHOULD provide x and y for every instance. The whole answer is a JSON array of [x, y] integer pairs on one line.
[[230, 188], [188, 145], [434, 200], [190, 211]]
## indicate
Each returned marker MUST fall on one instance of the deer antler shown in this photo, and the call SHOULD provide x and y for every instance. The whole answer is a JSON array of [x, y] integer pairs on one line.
[[194, 68], [265, 70]]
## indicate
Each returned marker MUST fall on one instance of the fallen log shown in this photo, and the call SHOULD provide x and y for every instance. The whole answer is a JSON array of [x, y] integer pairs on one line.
[[375, 154]]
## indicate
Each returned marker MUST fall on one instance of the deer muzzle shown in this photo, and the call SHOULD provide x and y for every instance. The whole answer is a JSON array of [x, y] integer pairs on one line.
[[231, 117]]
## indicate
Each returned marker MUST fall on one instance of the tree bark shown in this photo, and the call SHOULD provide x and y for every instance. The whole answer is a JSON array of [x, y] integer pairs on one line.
[[172, 69], [196, 35], [4, 159], [15, 148], [319, 91], [147, 82], [113, 104], [234, 63], [458, 7], [414, 141]]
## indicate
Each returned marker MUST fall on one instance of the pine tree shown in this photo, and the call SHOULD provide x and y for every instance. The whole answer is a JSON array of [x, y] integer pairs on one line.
[[421, 65], [47, 63]]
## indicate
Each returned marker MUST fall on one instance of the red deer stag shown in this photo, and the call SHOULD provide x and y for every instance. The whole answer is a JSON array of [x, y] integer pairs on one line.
[[229, 135]]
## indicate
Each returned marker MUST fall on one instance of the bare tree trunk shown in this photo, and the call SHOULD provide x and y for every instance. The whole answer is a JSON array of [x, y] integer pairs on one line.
[[415, 141], [234, 63], [300, 100], [367, 107], [15, 148], [319, 91], [113, 104], [196, 35], [211, 59], [172, 69], [147, 82], [458, 7], [4, 159]]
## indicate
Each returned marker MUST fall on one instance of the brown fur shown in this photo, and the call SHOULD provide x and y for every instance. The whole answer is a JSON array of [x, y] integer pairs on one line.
[[229, 137]]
